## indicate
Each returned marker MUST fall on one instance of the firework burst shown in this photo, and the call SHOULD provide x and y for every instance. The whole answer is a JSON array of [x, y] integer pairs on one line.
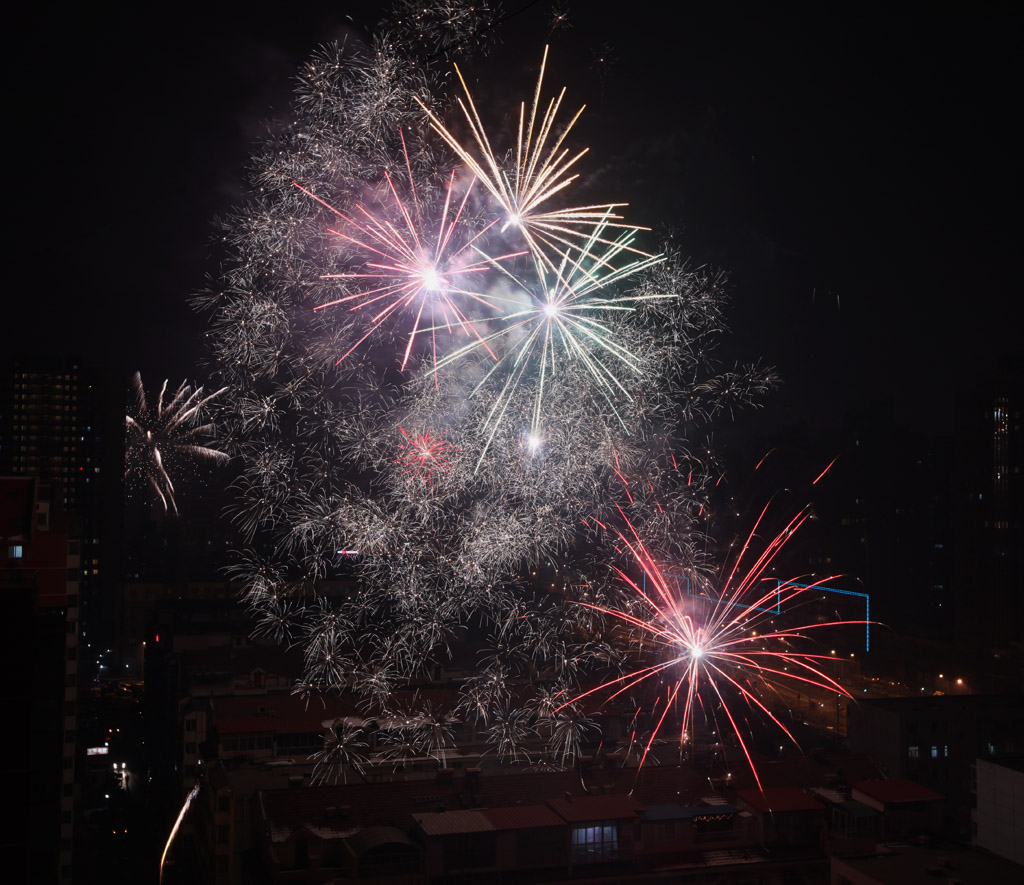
[[713, 651], [424, 453], [571, 316], [404, 383], [543, 168], [166, 438], [415, 272]]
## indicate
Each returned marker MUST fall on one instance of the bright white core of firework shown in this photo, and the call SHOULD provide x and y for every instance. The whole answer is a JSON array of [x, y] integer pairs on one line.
[[431, 279]]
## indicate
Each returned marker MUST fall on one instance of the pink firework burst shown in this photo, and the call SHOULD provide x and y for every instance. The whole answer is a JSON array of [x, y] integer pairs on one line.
[[424, 453], [711, 654], [417, 269]]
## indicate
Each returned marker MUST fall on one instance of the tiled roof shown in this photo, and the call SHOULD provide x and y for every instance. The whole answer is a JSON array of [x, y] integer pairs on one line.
[[779, 799], [447, 823], [611, 806], [893, 792], [522, 817]]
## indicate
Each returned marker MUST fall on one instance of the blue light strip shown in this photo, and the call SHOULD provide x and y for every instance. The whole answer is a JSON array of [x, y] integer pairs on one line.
[[777, 610], [864, 596], [684, 580]]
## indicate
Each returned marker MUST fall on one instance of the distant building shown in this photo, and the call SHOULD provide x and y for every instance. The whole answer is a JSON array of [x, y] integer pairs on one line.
[[63, 424], [935, 740], [989, 514]]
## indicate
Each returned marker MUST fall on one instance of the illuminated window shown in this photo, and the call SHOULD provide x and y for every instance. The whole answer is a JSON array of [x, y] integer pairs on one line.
[[594, 843], [15, 551]]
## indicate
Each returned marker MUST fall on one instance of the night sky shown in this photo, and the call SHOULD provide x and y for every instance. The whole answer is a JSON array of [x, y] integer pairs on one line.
[[858, 178]]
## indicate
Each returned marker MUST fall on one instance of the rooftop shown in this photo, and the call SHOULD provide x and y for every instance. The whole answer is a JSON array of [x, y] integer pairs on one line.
[[775, 800], [894, 792]]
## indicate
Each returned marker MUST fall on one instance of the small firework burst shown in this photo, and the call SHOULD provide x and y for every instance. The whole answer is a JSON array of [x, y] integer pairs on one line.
[[167, 439], [424, 453]]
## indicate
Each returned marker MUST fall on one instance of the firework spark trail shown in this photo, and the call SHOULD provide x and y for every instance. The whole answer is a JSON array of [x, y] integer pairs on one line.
[[720, 651], [174, 829], [542, 169]]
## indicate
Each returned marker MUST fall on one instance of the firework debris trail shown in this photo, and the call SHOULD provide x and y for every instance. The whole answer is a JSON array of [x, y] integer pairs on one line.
[[439, 370]]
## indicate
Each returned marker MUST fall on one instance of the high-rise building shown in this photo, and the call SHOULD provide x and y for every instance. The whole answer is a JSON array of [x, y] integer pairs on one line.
[[989, 513], [63, 424], [45, 426]]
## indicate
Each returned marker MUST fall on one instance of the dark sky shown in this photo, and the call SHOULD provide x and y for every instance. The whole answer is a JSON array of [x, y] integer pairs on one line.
[[858, 177]]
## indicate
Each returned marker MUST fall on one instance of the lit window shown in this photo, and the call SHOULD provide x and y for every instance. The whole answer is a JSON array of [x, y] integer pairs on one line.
[[935, 752], [594, 843], [15, 551]]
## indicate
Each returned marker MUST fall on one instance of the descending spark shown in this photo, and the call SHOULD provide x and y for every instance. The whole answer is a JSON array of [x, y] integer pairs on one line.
[[712, 647], [765, 458], [414, 272], [174, 830], [159, 440], [424, 453], [826, 470], [543, 168], [569, 321]]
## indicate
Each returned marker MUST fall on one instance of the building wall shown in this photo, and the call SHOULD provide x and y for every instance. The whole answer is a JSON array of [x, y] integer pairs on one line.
[[1000, 815]]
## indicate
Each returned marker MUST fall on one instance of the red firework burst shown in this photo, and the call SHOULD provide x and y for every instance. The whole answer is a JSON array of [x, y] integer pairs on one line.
[[424, 453], [713, 656]]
